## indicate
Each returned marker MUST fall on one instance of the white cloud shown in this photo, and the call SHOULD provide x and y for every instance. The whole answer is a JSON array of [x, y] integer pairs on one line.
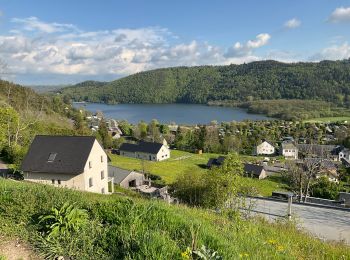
[[340, 14], [34, 24], [334, 52], [246, 49], [292, 23]]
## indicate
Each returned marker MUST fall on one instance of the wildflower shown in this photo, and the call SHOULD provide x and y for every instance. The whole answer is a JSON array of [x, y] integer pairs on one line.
[[280, 248], [272, 242], [243, 255], [186, 254]]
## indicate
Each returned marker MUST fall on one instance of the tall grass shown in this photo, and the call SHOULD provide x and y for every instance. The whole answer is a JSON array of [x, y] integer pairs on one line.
[[135, 228]]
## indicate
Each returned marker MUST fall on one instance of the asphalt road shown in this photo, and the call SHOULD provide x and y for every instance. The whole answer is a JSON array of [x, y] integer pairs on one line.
[[325, 223]]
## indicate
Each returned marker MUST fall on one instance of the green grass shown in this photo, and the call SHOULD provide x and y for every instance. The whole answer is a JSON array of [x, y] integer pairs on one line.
[[328, 119], [181, 162], [135, 228]]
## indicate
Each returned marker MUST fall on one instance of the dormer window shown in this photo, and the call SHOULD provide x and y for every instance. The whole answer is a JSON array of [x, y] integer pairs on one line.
[[52, 157]]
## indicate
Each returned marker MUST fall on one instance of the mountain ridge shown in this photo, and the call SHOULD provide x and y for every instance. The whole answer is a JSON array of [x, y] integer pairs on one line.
[[260, 80]]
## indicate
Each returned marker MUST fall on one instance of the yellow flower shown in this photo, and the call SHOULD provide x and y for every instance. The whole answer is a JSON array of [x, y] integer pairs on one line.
[[243, 255], [186, 254], [280, 248], [272, 242]]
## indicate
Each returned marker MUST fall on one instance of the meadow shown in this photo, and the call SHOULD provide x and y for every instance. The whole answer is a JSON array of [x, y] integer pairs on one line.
[[183, 162], [126, 227]]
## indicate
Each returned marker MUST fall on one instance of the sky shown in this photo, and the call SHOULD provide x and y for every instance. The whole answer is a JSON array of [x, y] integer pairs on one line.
[[66, 42]]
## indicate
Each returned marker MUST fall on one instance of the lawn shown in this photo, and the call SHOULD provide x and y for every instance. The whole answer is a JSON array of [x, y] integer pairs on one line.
[[181, 162], [328, 119]]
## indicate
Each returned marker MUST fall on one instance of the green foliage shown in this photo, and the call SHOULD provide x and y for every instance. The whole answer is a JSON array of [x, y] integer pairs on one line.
[[64, 220], [211, 189], [323, 188], [206, 254], [125, 228], [125, 127]]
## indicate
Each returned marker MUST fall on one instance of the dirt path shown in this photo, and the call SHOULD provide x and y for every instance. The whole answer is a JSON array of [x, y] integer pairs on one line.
[[15, 250]]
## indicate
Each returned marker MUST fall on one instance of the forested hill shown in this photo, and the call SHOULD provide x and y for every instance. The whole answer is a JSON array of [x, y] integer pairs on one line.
[[325, 80], [24, 99]]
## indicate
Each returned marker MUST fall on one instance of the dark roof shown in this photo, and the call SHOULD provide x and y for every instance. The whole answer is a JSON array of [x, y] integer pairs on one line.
[[143, 147], [253, 168], [216, 161], [71, 152], [119, 174]]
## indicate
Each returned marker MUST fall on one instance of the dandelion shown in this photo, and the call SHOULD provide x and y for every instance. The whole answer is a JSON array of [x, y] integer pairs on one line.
[[272, 242], [280, 248], [186, 254]]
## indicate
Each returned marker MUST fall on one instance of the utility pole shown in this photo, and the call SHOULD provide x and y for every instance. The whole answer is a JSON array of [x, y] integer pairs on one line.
[[289, 210]]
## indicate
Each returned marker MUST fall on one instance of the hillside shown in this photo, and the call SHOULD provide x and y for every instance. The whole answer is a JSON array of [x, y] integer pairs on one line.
[[24, 114], [325, 80], [121, 227]]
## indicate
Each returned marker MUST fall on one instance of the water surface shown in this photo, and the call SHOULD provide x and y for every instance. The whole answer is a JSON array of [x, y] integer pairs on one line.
[[168, 113]]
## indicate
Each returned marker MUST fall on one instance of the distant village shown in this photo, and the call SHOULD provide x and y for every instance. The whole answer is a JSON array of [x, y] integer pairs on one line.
[[73, 161]]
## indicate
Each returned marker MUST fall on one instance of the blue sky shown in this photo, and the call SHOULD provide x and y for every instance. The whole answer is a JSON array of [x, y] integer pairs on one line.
[[62, 42]]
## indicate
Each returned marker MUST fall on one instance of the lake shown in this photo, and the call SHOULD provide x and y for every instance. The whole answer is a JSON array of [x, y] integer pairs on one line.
[[167, 113]]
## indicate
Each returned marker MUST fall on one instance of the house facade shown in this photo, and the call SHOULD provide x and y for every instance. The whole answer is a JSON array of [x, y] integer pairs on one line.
[[145, 151], [76, 162], [289, 150], [265, 148]]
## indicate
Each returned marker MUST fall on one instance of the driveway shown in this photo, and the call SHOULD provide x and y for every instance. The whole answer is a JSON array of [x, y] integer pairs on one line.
[[325, 223]]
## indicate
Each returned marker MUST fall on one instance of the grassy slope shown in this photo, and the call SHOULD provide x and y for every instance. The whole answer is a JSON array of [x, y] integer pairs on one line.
[[153, 229], [181, 162]]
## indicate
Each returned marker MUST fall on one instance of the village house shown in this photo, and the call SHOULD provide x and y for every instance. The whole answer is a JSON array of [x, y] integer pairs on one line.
[[255, 171], [265, 148], [146, 151], [127, 179], [325, 167], [289, 150], [76, 162], [138, 182]]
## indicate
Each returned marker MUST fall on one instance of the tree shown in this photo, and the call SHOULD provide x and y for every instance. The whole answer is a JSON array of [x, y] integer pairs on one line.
[[211, 189], [125, 127], [324, 188], [103, 134], [153, 130], [140, 131]]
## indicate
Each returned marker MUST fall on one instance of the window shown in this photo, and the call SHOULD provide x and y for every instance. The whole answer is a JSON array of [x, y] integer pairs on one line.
[[59, 182], [101, 158], [90, 182], [102, 175], [52, 157], [103, 190], [53, 181], [90, 164]]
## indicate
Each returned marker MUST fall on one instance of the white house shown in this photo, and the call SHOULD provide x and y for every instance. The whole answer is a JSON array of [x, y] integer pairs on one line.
[[289, 150], [265, 148], [344, 154], [146, 151], [77, 162]]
